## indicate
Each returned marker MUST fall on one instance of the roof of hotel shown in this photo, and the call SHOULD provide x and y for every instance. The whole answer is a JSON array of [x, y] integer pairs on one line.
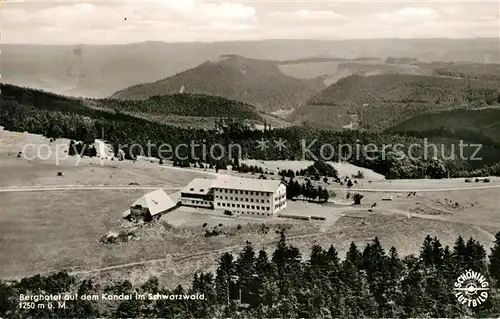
[[156, 201], [198, 186], [250, 184]]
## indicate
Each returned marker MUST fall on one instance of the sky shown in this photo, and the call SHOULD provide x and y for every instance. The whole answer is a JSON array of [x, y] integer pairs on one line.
[[119, 22]]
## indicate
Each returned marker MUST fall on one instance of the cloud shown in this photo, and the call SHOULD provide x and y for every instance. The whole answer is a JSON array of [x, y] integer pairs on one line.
[[72, 21], [195, 20], [409, 15], [307, 15]]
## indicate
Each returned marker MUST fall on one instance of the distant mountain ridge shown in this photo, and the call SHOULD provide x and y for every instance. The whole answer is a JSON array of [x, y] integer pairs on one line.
[[100, 70], [257, 82]]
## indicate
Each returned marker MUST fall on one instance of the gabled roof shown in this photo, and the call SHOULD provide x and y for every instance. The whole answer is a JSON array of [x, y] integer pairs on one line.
[[156, 201], [200, 186], [250, 184]]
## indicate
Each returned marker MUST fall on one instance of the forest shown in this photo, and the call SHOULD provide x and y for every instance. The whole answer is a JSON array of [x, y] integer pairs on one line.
[[185, 105], [59, 117], [283, 283]]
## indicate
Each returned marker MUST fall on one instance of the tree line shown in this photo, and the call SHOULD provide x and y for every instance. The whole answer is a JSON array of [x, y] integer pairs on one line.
[[369, 282]]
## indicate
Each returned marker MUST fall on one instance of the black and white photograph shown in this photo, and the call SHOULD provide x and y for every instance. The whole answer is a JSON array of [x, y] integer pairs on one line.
[[249, 159]]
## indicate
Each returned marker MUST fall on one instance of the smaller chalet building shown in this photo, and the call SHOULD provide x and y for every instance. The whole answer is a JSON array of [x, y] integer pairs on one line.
[[198, 193], [150, 206]]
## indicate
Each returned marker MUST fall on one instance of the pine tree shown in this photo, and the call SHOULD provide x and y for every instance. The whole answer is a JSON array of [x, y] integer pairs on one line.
[[245, 270], [414, 303], [394, 294], [437, 252], [494, 258], [475, 256], [223, 280], [354, 256], [426, 251], [459, 256]]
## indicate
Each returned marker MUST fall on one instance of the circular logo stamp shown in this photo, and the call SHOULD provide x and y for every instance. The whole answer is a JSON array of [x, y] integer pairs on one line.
[[471, 288]]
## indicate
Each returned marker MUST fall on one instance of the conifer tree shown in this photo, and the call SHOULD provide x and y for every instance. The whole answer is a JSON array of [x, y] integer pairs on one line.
[[494, 258]]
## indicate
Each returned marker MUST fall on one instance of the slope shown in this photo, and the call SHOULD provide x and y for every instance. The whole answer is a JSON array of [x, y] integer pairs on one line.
[[381, 101], [183, 105], [481, 124], [257, 82]]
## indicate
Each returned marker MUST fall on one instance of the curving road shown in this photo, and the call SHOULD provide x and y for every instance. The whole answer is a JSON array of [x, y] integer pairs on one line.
[[424, 190], [82, 187], [122, 187]]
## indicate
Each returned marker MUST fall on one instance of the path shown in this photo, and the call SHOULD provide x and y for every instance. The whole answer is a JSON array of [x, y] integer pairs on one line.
[[425, 190], [122, 187], [81, 187]]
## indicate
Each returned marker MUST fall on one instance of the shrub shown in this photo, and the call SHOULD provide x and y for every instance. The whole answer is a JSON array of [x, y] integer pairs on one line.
[[357, 198], [214, 232], [477, 180], [204, 225], [359, 175], [468, 180]]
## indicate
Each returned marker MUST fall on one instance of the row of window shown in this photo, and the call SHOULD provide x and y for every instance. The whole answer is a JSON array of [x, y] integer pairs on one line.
[[198, 202], [242, 199], [243, 206], [231, 191], [254, 213]]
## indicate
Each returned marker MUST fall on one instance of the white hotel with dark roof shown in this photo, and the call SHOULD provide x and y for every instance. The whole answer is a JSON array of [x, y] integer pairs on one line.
[[243, 196]]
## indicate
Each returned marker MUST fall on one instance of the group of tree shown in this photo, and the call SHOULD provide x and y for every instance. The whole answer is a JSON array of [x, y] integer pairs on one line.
[[306, 191], [318, 168], [243, 168], [82, 149], [367, 283]]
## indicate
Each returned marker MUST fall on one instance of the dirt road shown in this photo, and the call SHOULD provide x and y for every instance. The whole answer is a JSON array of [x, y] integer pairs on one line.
[[80, 187], [122, 187]]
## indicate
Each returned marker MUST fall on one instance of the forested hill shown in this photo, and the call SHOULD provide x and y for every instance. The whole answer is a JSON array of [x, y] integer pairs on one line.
[[477, 125], [196, 105], [258, 82], [381, 101], [405, 88], [478, 71], [186, 105]]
